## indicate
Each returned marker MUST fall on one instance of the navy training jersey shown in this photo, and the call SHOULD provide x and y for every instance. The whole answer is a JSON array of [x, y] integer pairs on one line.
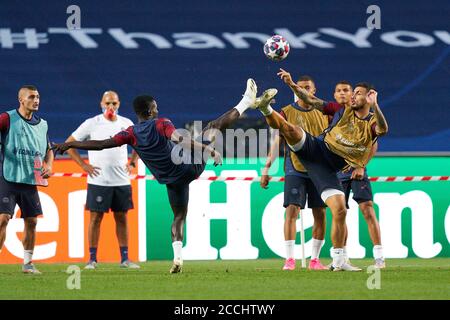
[[151, 141]]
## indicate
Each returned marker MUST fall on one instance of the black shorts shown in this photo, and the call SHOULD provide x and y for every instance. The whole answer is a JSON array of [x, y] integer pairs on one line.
[[103, 198], [296, 189], [24, 195], [178, 192], [322, 164], [362, 190]]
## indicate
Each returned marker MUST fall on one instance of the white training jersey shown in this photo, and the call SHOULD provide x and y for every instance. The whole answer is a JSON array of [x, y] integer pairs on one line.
[[112, 162]]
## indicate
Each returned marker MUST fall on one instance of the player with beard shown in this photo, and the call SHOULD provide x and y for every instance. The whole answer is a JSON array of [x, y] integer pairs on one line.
[[347, 142]]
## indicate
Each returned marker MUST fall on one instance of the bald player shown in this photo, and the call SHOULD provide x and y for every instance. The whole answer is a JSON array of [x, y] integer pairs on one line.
[[108, 171], [25, 162]]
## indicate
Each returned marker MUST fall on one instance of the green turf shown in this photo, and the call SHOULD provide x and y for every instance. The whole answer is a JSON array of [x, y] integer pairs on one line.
[[223, 280]]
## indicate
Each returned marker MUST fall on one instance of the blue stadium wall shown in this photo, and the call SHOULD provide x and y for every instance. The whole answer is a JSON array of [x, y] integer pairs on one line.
[[196, 66]]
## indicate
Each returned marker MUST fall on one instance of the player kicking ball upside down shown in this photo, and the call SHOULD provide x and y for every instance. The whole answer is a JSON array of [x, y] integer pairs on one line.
[[155, 141], [346, 142]]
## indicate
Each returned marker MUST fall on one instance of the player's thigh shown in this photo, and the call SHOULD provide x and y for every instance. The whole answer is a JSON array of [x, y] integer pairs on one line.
[[294, 191], [7, 198], [29, 203], [178, 194], [323, 176], [291, 133], [347, 186], [99, 198], [122, 199], [314, 199], [310, 149]]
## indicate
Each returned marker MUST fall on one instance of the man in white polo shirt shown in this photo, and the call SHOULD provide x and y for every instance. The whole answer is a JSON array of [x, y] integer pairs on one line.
[[108, 181]]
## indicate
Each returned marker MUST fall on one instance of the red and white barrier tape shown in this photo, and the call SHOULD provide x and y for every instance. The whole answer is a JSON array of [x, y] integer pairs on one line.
[[273, 179]]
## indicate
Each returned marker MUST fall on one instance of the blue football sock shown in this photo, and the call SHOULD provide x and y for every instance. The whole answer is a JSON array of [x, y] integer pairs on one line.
[[93, 254], [123, 254]]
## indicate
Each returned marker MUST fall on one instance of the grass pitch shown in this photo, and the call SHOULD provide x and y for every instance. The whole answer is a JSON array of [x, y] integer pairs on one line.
[[225, 280]]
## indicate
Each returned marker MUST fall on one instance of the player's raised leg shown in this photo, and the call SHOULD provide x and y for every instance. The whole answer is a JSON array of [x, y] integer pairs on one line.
[[228, 118], [293, 134]]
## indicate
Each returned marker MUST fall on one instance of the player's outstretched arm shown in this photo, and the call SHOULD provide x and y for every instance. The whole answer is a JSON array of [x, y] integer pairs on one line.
[[89, 169], [85, 145], [382, 126], [301, 93], [191, 144]]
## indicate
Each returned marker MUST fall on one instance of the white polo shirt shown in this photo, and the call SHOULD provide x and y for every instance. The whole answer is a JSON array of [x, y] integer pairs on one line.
[[112, 162]]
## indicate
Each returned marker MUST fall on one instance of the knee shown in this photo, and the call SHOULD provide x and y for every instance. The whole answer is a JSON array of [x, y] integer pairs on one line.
[[211, 125], [179, 218], [121, 218], [30, 223], [96, 219], [319, 215], [291, 130], [292, 213], [367, 210], [339, 213], [4, 219]]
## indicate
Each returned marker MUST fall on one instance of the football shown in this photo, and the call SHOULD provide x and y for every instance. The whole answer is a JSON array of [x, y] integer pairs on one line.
[[276, 48]]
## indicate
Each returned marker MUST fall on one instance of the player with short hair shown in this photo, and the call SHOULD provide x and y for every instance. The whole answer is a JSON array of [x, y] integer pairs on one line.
[[157, 142], [357, 180], [108, 180], [347, 142], [26, 161], [297, 185]]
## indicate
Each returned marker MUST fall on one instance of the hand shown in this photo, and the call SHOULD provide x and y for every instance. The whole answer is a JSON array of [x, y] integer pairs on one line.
[[217, 158], [60, 147], [286, 77], [264, 182], [91, 170], [46, 171], [347, 169], [372, 98], [358, 174], [130, 167]]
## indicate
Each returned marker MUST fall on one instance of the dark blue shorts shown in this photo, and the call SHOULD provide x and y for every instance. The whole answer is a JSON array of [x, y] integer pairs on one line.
[[322, 164], [297, 188], [104, 198], [362, 190], [24, 195], [178, 192]]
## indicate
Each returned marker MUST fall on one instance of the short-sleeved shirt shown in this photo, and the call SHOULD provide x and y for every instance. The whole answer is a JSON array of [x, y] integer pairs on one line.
[[151, 141], [112, 162]]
